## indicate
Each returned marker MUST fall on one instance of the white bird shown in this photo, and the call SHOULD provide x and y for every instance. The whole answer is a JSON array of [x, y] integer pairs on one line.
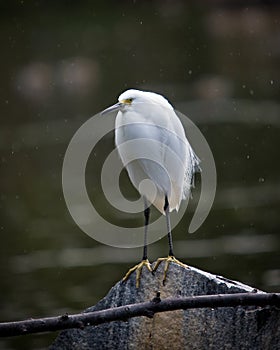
[[152, 145]]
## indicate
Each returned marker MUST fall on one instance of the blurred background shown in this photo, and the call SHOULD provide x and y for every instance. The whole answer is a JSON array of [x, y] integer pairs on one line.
[[61, 63]]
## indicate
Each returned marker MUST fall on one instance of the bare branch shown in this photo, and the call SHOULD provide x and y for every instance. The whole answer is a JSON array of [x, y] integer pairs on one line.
[[148, 309]]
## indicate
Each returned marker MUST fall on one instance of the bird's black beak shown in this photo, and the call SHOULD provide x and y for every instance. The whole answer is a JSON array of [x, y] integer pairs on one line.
[[115, 107]]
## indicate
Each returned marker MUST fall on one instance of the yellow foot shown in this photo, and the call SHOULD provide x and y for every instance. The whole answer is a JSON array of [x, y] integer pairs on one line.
[[168, 260], [138, 268]]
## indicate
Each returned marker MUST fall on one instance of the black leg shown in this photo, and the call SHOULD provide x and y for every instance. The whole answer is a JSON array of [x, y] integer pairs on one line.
[[145, 262], [147, 217], [171, 257], [167, 214]]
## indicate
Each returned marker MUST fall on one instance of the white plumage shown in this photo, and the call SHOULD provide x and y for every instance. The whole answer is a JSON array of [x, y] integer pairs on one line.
[[167, 158]]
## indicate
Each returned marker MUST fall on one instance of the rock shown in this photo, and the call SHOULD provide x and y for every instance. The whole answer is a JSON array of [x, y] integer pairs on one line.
[[221, 328]]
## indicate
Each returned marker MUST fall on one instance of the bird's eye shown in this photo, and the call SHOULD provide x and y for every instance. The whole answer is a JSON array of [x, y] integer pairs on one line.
[[128, 101]]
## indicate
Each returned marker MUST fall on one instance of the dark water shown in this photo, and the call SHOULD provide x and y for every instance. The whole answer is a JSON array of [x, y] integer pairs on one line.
[[62, 64]]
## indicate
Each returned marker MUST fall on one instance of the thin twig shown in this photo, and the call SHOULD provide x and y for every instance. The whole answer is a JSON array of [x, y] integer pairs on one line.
[[123, 313]]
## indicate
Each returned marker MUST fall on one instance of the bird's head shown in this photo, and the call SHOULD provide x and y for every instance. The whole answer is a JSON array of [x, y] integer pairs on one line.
[[132, 98]]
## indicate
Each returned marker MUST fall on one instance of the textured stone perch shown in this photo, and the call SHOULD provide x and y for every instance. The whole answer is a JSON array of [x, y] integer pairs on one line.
[[243, 327]]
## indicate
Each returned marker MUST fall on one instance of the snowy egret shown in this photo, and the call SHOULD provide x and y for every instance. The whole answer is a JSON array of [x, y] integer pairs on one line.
[[152, 145]]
